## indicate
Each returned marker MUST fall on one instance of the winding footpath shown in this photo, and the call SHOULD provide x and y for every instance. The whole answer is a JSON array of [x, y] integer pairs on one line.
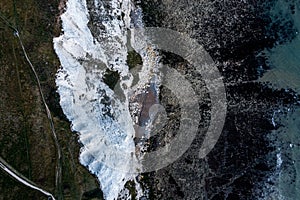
[[5, 166], [19, 177]]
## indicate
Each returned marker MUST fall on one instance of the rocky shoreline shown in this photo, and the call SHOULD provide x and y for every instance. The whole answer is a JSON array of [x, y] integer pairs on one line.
[[244, 157]]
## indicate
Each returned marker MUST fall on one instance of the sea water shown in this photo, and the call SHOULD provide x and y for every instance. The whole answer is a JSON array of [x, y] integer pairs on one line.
[[284, 60]]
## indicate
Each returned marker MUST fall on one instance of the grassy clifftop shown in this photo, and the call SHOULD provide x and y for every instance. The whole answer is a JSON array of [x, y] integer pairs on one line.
[[26, 141]]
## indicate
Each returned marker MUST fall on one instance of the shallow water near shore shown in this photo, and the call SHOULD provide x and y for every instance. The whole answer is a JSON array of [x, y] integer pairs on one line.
[[284, 61]]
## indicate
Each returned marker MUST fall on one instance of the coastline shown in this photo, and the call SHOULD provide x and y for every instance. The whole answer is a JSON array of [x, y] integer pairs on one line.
[[246, 160]]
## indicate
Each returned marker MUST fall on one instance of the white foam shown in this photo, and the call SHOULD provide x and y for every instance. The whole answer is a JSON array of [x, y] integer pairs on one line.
[[279, 160], [273, 117]]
